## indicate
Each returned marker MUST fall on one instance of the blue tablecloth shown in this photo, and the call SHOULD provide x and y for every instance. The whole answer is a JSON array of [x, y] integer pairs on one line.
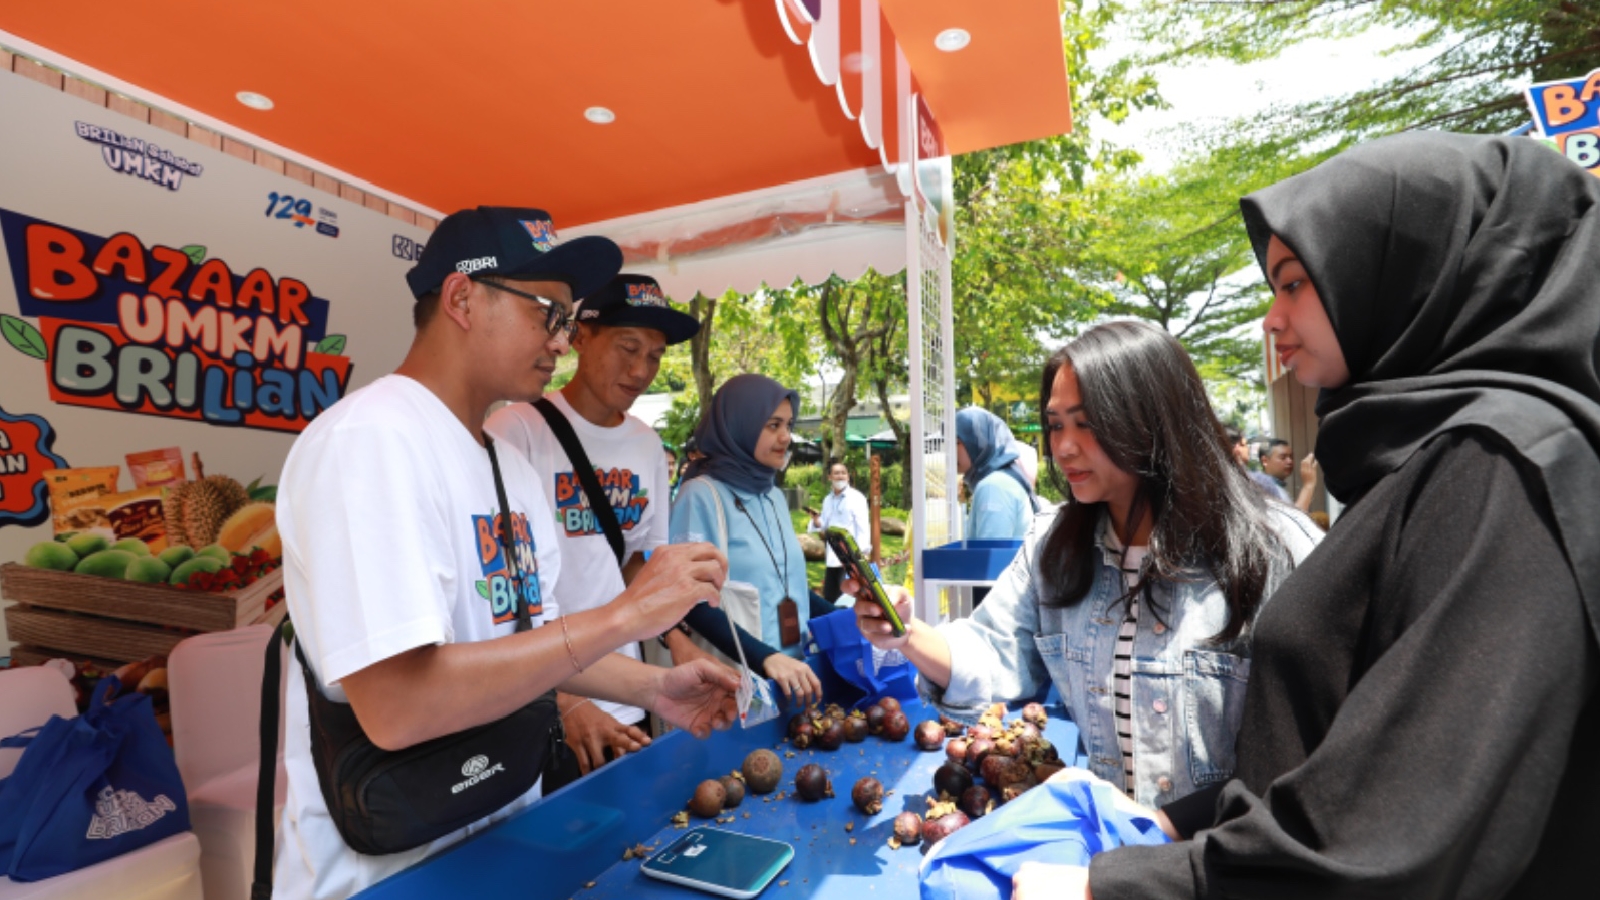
[[575, 838]]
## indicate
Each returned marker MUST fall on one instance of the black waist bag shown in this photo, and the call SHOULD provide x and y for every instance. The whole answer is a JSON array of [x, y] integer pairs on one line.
[[384, 801], [387, 802]]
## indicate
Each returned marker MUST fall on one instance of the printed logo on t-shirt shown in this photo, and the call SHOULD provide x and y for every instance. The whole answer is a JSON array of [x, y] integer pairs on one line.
[[628, 500], [497, 586]]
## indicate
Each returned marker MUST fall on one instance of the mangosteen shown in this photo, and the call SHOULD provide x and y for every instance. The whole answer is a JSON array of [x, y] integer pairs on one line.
[[762, 771], [995, 768], [930, 735], [1035, 715], [936, 830], [733, 787], [977, 750], [980, 731], [1027, 729], [976, 802], [956, 750], [951, 780], [803, 735], [708, 799], [832, 736], [799, 718], [1043, 771], [875, 717], [855, 729], [889, 704], [908, 829], [895, 726], [951, 726], [834, 711], [867, 795], [812, 783], [1012, 791]]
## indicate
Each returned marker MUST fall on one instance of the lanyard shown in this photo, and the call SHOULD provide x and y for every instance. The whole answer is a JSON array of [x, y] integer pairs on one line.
[[784, 573], [524, 621]]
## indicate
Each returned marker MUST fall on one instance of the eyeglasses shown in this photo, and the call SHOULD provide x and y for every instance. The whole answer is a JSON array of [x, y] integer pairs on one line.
[[557, 318]]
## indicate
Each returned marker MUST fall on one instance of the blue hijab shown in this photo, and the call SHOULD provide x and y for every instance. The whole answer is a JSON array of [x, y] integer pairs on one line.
[[728, 433], [990, 447]]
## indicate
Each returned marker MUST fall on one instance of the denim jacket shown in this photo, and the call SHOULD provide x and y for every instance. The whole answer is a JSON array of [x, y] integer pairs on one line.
[[1188, 694]]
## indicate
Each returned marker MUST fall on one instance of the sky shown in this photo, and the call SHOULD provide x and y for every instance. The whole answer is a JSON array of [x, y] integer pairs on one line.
[[1205, 94]]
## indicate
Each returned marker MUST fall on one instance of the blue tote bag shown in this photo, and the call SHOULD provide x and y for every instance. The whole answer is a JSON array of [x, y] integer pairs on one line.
[[88, 789], [847, 650], [1061, 822]]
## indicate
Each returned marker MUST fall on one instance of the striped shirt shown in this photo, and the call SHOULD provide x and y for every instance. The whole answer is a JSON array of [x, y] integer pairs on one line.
[[1122, 672]]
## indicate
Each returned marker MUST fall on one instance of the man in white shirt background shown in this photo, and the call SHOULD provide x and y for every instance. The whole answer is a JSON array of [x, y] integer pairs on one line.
[[623, 330], [843, 507]]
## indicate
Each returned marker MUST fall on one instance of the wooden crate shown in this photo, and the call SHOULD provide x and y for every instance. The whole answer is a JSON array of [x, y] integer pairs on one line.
[[78, 616]]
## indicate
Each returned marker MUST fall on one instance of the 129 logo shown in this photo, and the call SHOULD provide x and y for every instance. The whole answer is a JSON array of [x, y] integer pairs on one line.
[[298, 211]]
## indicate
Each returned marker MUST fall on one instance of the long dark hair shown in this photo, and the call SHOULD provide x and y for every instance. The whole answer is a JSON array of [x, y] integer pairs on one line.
[[1148, 410]]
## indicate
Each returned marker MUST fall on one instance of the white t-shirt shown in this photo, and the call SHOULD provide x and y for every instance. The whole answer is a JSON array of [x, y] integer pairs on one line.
[[387, 510], [632, 470]]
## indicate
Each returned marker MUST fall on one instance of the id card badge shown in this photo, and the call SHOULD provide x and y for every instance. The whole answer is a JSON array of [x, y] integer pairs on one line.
[[788, 622]]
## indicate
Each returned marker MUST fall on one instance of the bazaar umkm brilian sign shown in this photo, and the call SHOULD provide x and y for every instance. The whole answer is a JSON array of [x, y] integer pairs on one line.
[[156, 293], [1567, 114]]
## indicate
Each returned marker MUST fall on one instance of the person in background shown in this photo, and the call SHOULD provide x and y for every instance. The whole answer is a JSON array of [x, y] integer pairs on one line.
[[1424, 714], [623, 330], [843, 507], [1238, 445], [1277, 461], [744, 439], [1136, 598], [986, 458], [404, 603]]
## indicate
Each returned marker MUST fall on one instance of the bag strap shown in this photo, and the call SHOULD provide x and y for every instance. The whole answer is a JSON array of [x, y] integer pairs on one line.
[[524, 623], [267, 771], [599, 503]]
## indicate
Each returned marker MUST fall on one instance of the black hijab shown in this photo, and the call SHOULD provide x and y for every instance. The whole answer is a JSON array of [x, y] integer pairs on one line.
[[1461, 275]]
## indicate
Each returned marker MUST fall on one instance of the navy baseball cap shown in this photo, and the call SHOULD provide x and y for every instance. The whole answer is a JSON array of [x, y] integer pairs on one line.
[[512, 243], [637, 300]]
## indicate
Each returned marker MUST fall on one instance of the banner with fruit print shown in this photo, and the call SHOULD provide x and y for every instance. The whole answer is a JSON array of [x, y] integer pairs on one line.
[[171, 316]]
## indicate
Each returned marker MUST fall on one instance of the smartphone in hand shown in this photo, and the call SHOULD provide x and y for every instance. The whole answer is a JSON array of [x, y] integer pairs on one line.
[[863, 572]]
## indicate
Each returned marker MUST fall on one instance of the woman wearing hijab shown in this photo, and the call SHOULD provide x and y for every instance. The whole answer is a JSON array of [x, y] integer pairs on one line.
[[1422, 720], [744, 439], [986, 458], [1136, 598]]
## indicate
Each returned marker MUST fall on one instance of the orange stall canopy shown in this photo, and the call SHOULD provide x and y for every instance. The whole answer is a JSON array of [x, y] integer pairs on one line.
[[453, 104]]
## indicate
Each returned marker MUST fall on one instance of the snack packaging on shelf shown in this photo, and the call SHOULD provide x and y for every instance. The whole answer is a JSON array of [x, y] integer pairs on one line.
[[138, 514], [77, 497], [155, 468]]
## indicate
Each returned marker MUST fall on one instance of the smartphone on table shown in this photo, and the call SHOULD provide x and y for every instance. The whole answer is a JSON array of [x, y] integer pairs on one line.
[[720, 862], [863, 572]]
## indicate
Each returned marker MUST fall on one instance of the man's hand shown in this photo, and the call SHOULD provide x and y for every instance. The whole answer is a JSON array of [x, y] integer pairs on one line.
[[870, 619], [1308, 469], [590, 731], [1035, 880], [798, 683], [677, 577], [696, 697]]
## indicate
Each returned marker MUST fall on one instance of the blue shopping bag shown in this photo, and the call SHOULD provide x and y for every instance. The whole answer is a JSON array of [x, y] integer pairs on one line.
[[89, 788], [1061, 822], [849, 652]]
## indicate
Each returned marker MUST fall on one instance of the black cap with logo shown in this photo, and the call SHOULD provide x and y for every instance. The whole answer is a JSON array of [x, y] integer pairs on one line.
[[512, 243], [637, 300]]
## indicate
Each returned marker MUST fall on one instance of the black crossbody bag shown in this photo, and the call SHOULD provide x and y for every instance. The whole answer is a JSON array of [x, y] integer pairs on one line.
[[386, 802]]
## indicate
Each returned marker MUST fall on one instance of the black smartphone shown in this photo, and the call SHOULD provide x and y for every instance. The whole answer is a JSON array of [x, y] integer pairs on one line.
[[863, 572]]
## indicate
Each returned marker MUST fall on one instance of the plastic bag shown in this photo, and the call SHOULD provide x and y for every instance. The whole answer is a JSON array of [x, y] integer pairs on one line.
[[1064, 821]]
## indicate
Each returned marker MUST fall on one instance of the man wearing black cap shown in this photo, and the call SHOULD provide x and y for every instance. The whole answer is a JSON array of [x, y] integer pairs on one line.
[[404, 603], [623, 330]]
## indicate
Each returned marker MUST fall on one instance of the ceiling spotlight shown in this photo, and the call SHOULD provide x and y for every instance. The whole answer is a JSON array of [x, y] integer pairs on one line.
[[952, 39], [254, 100], [600, 115]]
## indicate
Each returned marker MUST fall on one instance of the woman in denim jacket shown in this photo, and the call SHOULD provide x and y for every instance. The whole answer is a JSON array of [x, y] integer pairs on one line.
[[1133, 435]]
